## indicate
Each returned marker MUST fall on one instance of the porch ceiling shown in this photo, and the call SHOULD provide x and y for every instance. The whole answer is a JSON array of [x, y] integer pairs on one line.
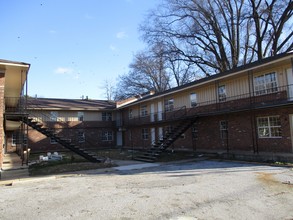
[[12, 125], [15, 78]]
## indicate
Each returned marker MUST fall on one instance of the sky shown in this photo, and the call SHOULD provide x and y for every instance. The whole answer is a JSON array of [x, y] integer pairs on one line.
[[73, 46]]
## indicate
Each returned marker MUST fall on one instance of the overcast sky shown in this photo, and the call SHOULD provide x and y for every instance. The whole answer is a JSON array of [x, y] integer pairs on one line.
[[73, 46]]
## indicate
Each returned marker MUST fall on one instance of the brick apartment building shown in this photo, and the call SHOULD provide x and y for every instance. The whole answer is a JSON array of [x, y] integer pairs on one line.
[[245, 110], [86, 123]]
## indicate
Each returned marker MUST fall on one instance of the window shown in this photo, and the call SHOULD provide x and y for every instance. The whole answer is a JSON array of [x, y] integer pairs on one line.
[[53, 116], [80, 116], [130, 113], [224, 129], [143, 111], [81, 137], [269, 127], [106, 116], [145, 134], [14, 139], [194, 131], [107, 136], [53, 141], [265, 84], [169, 105], [222, 93], [168, 129], [193, 99]]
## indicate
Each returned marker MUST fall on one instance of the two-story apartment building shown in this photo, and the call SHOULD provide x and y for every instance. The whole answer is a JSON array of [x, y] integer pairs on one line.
[[246, 109], [85, 123]]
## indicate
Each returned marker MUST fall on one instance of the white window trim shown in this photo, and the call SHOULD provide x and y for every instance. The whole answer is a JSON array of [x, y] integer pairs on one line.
[[193, 102], [81, 137], [106, 136], [169, 106], [223, 129], [265, 90], [145, 134], [143, 111], [269, 127], [222, 97], [80, 116]]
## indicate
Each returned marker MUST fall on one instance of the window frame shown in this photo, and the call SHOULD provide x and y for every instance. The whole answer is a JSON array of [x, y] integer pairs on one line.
[[144, 134], [14, 138], [80, 116], [130, 113], [169, 105], [107, 136], [143, 111], [54, 116], [106, 116], [53, 141], [223, 129], [194, 131], [222, 93], [269, 127], [263, 84], [81, 136], [193, 99]]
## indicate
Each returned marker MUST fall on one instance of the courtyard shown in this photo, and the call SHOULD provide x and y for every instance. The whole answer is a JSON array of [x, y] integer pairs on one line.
[[192, 189]]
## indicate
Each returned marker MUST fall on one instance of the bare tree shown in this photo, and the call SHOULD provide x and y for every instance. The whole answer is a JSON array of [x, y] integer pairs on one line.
[[148, 72], [218, 35], [109, 90]]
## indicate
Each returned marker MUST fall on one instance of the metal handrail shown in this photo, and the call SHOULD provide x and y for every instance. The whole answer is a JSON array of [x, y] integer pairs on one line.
[[47, 118], [275, 96]]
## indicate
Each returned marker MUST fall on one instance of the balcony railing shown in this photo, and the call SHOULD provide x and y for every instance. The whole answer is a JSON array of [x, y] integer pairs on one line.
[[248, 101], [15, 104]]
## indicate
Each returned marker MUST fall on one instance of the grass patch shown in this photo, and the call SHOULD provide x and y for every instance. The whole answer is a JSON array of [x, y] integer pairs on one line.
[[63, 166], [72, 162]]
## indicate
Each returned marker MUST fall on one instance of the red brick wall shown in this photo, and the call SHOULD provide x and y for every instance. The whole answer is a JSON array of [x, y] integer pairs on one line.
[[93, 132], [242, 134]]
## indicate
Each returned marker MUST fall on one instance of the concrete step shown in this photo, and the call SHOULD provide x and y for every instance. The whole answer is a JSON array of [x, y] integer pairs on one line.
[[14, 174]]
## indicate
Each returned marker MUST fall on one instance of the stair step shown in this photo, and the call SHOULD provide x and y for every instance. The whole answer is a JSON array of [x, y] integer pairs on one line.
[[148, 156], [143, 159]]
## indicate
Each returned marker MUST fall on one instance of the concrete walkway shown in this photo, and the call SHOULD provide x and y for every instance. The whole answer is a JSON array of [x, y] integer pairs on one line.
[[13, 168]]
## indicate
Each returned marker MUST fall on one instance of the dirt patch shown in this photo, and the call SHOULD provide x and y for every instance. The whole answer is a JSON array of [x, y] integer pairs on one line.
[[268, 179]]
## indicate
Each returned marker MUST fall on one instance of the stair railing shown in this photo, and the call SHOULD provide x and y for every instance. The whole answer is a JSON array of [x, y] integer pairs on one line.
[[41, 117]]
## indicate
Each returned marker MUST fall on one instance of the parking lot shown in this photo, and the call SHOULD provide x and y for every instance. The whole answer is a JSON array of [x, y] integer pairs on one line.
[[204, 189]]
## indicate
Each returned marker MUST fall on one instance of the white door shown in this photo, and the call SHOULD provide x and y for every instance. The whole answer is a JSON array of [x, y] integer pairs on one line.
[[290, 83], [160, 133], [152, 112], [160, 111], [153, 135], [119, 138]]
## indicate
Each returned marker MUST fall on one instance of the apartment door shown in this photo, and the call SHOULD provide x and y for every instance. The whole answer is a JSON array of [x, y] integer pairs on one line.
[[119, 138], [290, 83], [153, 135], [152, 112], [160, 111], [160, 133]]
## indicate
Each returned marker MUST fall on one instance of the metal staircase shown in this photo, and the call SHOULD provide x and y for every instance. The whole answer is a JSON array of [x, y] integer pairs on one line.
[[63, 141], [154, 153]]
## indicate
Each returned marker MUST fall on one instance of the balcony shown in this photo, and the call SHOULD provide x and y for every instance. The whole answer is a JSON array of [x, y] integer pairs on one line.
[[15, 105], [277, 96]]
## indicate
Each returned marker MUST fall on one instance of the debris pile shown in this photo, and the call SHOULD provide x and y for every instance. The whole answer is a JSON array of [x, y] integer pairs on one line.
[[50, 157]]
